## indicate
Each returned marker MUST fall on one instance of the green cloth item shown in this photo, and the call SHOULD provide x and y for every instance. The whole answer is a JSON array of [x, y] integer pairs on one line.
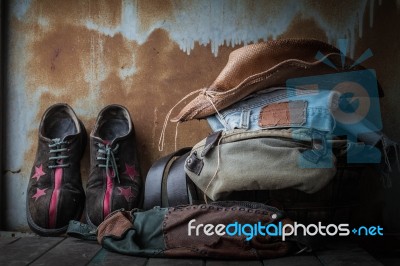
[[195, 231]]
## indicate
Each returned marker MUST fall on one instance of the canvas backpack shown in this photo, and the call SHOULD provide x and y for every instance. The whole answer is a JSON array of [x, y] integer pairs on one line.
[[294, 162]]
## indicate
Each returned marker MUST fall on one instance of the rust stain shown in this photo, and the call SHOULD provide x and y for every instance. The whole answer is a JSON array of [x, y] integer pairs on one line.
[[333, 11], [119, 54], [75, 63], [302, 27], [105, 12], [66, 62], [63, 57], [56, 53], [58, 60], [164, 75]]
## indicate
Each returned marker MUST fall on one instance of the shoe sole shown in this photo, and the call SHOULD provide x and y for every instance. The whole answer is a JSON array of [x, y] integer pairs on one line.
[[44, 231]]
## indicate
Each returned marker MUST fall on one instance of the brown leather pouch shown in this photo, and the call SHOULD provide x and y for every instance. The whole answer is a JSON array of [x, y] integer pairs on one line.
[[235, 230]]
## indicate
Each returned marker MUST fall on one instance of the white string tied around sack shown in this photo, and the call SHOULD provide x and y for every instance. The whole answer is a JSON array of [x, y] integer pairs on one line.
[[209, 95]]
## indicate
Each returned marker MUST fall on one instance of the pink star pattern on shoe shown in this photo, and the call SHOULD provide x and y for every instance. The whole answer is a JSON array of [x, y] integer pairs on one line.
[[38, 172], [39, 193], [130, 171], [126, 192]]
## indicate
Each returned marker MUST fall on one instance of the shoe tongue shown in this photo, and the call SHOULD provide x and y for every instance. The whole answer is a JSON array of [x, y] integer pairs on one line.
[[67, 137], [64, 138], [111, 142], [107, 142], [102, 141], [61, 139]]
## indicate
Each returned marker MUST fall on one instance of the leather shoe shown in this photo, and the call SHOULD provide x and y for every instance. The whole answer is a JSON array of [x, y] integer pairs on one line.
[[55, 194], [114, 180]]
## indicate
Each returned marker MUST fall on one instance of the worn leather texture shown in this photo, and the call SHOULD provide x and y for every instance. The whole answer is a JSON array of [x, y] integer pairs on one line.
[[163, 232], [55, 194], [114, 180], [166, 182], [117, 224], [260, 66], [178, 244], [177, 183], [283, 114]]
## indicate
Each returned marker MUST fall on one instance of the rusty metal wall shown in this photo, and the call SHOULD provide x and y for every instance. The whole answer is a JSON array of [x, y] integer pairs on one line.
[[146, 55]]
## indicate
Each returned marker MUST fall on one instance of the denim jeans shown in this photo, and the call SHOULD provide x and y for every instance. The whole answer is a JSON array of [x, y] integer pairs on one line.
[[246, 113], [319, 123]]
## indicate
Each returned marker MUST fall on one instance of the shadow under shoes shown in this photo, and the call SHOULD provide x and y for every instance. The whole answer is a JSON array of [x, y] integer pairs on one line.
[[114, 180], [55, 194]]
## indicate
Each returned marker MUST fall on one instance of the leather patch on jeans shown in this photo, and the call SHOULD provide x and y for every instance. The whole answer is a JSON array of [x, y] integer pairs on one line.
[[283, 114]]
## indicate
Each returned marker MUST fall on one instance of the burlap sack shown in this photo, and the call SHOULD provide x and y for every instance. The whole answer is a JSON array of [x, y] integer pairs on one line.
[[263, 65]]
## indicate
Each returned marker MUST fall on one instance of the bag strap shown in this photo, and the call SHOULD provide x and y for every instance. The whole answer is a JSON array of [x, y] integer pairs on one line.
[[154, 180], [177, 190]]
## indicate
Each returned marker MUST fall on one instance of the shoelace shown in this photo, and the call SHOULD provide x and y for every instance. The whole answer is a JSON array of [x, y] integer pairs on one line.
[[110, 159], [58, 147]]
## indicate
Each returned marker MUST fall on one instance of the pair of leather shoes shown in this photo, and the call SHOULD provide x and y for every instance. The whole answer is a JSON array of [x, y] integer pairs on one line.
[[55, 194]]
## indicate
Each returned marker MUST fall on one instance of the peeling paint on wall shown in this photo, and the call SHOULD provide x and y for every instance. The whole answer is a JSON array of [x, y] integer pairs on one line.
[[19, 8], [241, 22], [142, 54]]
